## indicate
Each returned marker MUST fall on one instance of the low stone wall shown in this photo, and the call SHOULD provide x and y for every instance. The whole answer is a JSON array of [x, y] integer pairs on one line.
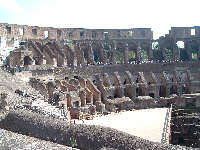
[[82, 136], [14, 141], [185, 127]]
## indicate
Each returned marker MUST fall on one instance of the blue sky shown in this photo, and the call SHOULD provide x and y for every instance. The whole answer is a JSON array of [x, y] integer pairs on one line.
[[159, 15]]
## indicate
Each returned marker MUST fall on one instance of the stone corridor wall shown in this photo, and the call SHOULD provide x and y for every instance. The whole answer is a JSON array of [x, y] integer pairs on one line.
[[185, 127], [87, 137]]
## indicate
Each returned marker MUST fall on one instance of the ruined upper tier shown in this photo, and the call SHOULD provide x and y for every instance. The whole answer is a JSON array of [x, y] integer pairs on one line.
[[33, 32]]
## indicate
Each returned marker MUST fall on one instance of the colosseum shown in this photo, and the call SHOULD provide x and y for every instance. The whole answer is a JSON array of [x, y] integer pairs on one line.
[[54, 80]]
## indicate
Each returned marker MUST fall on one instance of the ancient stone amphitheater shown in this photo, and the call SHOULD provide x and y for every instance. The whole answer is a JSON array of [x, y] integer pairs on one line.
[[52, 78]]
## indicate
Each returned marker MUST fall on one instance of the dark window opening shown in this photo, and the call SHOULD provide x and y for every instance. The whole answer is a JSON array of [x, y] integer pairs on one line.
[[105, 35], [140, 92], [8, 30], [81, 33], [162, 91], [110, 97], [36, 62], [59, 33], [151, 95], [173, 90], [183, 89], [27, 60], [34, 31], [75, 77], [88, 101], [70, 34], [115, 95], [125, 82], [137, 92], [75, 104], [180, 141], [94, 81]]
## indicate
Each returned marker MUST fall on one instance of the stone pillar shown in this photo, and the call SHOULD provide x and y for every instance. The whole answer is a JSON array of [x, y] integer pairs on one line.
[[198, 52], [130, 91], [77, 53], [82, 96], [175, 52], [167, 89], [113, 52], [156, 96], [138, 53], [126, 54], [162, 48], [150, 52], [90, 54], [103, 54]]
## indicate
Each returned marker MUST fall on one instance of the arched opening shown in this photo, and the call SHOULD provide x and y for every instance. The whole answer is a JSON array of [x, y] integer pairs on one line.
[[162, 91], [180, 44], [151, 95], [125, 82], [115, 95], [180, 140], [139, 92], [194, 54], [171, 90], [27, 61], [184, 55], [183, 89], [76, 104]]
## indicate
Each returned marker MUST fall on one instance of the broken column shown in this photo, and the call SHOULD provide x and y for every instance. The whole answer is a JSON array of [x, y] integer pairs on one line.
[[82, 96], [126, 54], [90, 54], [130, 89], [119, 92], [138, 53], [150, 52]]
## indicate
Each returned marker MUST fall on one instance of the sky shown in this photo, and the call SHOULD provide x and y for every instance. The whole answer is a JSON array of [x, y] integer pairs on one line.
[[160, 15]]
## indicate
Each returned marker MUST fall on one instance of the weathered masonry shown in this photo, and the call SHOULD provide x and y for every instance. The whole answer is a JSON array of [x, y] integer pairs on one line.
[[79, 46], [25, 32], [182, 43]]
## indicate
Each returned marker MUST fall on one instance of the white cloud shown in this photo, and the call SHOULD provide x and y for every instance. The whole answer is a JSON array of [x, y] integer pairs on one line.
[[10, 5], [159, 15]]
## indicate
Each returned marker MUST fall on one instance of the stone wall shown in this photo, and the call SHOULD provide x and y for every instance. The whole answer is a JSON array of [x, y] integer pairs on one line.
[[86, 137], [25, 32], [185, 127]]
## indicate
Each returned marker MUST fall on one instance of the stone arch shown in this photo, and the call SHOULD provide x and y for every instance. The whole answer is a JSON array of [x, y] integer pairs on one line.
[[180, 44], [132, 52], [27, 61]]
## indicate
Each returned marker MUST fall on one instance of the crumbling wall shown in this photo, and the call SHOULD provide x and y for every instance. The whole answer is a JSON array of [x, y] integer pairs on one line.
[[185, 127]]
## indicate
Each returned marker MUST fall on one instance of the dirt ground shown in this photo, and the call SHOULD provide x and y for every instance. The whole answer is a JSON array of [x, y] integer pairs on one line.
[[146, 123]]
